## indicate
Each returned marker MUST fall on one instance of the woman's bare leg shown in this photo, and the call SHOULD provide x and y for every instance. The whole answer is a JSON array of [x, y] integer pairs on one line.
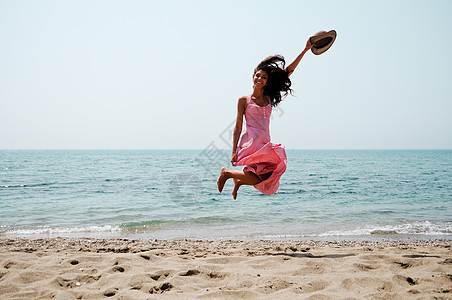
[[237, 184], [248, 178], [240, 178]]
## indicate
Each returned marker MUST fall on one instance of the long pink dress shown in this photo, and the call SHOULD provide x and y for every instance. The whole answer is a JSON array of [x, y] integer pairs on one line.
[[256, 152]]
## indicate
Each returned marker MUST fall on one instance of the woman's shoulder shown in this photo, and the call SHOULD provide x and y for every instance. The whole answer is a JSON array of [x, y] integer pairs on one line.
[[243, 102]]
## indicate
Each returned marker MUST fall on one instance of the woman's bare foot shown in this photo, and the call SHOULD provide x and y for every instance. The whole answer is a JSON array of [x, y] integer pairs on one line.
[[222, 179], [237, 184]]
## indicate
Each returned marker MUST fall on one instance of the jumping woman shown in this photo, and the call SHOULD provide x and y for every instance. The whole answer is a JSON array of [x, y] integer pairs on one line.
[[264, 161]]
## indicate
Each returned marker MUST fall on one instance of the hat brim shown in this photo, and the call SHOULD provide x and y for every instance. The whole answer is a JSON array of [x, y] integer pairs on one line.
[[322, 42]]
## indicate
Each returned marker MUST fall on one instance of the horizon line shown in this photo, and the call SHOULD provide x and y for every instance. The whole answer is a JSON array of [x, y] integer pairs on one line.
[[201, 149]]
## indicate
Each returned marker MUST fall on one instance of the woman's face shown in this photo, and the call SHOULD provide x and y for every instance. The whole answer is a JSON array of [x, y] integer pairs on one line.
[[260, 78]]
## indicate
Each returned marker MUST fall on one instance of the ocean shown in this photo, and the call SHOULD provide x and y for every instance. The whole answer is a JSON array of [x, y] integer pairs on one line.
[[164, 194]]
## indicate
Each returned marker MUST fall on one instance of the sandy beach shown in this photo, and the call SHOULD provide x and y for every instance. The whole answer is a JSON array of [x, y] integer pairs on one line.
[[70, 268]]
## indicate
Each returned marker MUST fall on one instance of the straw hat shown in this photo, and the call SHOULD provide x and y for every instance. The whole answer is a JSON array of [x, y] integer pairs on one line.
[[322, 41]]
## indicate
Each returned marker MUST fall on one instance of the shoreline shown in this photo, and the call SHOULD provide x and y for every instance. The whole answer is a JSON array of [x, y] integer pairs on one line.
[[90, 268], [40, 243], [245, 237]]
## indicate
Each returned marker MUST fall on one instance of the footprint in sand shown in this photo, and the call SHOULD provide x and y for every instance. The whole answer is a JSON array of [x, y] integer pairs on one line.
[[404, 281], [144, 282], [76, 282], [110, 292], [408, 263], [190, 273], [145, 256], [403, 265], [160, 275], [165, 287], [366, 267], [275, 285], [310, 287], [365, 283], [74, 262], [215, 275], [16, 265], [116, 269], [310, 268], [9, 265]]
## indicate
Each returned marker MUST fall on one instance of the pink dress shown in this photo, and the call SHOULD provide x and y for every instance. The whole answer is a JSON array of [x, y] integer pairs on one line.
[[255, 150]]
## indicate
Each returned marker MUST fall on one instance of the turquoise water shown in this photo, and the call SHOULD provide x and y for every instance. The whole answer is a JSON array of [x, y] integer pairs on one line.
[[172, 194]]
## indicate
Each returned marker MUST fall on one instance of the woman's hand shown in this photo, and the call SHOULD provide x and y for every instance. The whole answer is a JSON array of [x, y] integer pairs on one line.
[[233, 158], [308, 45]]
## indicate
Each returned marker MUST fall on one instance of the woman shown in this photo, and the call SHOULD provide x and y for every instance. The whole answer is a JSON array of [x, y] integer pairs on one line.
[[264, 161]]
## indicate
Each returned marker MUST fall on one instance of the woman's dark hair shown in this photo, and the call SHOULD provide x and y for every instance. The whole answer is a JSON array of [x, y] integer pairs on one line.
[[278, 82]]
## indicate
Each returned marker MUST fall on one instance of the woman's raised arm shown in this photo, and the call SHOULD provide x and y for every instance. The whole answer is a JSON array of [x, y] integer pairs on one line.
[[291, 68]]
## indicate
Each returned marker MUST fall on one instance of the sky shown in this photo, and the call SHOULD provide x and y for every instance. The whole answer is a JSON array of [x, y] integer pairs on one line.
[[167, 74]]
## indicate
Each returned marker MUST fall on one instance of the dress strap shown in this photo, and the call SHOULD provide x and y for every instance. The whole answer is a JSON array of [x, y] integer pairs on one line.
[[269, 101], [248, 99]]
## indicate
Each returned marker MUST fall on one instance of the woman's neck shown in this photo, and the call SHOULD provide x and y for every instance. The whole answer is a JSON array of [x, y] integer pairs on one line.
[[259, 98], [258, 92]]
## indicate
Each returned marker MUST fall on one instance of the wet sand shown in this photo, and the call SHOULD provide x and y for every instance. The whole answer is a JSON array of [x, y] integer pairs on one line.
[[82, 268]]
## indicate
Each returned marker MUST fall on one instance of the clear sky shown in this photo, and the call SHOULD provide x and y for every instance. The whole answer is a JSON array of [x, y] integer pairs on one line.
[[167, 74]]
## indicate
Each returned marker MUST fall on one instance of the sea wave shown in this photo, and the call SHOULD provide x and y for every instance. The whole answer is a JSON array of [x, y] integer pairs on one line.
[[416, 228], [170, 223], [49, 230], [41, 184]]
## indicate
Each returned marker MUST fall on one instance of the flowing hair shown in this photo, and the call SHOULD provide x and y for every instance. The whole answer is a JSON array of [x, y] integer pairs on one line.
[[278, 82]]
